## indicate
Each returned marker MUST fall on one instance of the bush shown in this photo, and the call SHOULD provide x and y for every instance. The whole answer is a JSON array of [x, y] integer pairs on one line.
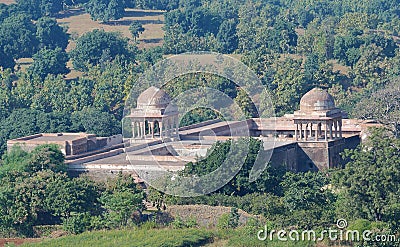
[[77, 223], [223, 221]]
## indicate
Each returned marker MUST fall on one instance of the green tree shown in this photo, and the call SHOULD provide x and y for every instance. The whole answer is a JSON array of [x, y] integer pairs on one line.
[[104, 11], [121, 199], [15, 160], [65, 196], [39, 8], [50, 34], [369, 180], [52, 95], [48, 61], [289, 85], [227, 36], [308, 199], [7, 61], [46, 157], [136, 29], [94, 121], [17, 36], [91, 46], [371, 69]]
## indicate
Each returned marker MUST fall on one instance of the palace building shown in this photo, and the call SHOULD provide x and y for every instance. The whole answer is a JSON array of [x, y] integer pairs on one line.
[[311, 138]]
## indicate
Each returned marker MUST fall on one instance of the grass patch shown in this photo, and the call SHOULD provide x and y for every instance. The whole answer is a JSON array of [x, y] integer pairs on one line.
[[7, 1], [79, 22], [137, 237], [169, 237]]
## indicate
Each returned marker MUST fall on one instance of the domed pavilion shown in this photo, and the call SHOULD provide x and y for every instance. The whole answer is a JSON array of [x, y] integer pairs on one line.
[[154, 116], [317, 113]]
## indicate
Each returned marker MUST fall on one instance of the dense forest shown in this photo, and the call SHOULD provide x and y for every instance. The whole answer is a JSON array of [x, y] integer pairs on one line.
[[350, 48]]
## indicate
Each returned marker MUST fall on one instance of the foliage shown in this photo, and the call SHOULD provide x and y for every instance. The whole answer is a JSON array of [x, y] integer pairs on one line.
[[92, 120], [50, 34], [104, 11], [47, 61], [137, 237], [121, 199], [46, 157], [385, 107], [136, 29], [368, 179], [98, 45], [240, 185], [76, 224], [18, 36], [39, 8], [308, 199]]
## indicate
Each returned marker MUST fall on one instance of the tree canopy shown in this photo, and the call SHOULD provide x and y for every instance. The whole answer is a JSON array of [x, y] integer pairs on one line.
[[98, 45]]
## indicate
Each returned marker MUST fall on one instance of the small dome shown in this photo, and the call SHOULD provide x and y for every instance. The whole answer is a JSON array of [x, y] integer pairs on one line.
[[317, 100], [153, 98]]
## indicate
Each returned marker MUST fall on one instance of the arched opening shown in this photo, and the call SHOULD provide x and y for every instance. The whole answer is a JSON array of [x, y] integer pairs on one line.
[[146, 127], [157, 129]]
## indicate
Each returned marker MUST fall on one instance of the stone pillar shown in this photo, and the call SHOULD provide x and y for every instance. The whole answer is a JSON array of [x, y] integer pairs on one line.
[[316, 134], [336, 129], [141, 130], [340, 129], [152, 129], [305, 132], [133, 129], [311, 130], [160, 125], [326, 131], [301, 131], [330, 130], [144, 130], [295, 132]]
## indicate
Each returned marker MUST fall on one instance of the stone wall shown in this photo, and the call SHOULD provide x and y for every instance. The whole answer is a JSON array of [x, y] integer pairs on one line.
[[285, 155]]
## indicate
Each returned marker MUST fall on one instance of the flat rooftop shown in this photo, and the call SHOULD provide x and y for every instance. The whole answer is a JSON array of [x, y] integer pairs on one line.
[[51, 137]]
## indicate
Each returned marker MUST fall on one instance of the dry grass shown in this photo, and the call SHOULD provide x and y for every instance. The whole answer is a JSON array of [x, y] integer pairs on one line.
[[79, 22], [7, 1]]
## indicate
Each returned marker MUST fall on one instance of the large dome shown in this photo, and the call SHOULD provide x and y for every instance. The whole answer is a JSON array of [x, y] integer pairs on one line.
[[153, 98], [317, 100]]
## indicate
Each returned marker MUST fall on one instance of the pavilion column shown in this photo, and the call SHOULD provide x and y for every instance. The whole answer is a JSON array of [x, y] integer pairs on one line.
[[133, 129], [340, 129], [311, 130], [326, 131], [301, 131], [316, 134], [140, 130], [336, 129], [160, 125], [330, 130], [305, 132], [152, 129], [144, 130], [295, 132]]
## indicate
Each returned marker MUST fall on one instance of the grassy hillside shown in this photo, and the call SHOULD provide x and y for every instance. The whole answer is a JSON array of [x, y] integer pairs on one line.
[[166, 237], [79, 22], [142, 237]]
